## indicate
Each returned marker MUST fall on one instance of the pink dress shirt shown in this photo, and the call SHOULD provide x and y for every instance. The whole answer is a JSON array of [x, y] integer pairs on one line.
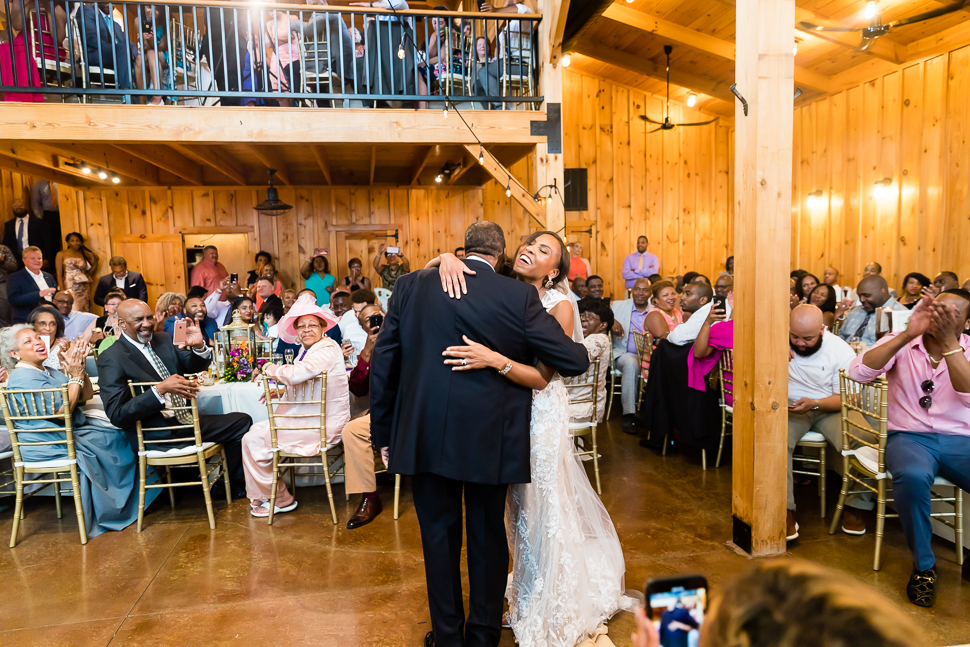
[[906, 371], [209, 275]]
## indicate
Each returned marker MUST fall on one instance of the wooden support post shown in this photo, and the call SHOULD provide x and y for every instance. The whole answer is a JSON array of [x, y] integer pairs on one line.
[[762, 241], [549, 167]]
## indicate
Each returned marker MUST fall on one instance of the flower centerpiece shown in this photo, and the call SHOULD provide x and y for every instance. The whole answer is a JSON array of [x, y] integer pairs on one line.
[[240, 364], [236, 348]]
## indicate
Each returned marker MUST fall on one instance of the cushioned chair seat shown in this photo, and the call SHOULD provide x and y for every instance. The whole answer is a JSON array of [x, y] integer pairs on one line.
[[812, 437], [176, 451], [869, 458]]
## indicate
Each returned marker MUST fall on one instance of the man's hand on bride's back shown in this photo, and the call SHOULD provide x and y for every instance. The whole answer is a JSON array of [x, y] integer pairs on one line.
[[452, 272]]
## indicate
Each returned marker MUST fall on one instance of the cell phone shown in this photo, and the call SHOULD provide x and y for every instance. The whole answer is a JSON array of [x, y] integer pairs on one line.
[[320, 251], [375, 321], [179, 335], [234, 278], [393, 250], [720, 303], [676, 606]]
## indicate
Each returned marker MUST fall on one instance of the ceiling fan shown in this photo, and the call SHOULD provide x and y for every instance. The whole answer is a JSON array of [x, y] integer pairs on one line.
[[877, 27], [666, 124]]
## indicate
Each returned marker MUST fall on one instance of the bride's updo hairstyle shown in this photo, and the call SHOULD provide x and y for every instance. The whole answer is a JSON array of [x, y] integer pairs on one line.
[[563, 265]]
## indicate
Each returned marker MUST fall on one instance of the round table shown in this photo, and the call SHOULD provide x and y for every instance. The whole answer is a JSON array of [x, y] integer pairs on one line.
[[233, 397]]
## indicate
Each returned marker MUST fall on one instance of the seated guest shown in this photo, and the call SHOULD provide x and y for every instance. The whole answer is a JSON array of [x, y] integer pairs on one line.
[[459, 252], [655, 278], [347, 324], [262, 258], [578, 287], [356, 280], [289, 298], [945, 281], [728, 267], [305, 322], [105, 42], [710, 344], [700, 278], [131, 283], [628, 316], [306, 291], [724, 285], [913, 286], [168, 305], [804, 286], [272, 312], [209, 272], [361, 298], [316, 275], [108, 323], [595, 287], [860, 323], [689, 278], [143, 355], [597, 321], [872, 269], [49, 325], [265, 288], [814, 403], [107, 468], [696, 302], [26, 288], [928, 368], [665, 316], [823, 298], [831, 277], [196, 311], [358, 449], [246, 309], [76, 324]]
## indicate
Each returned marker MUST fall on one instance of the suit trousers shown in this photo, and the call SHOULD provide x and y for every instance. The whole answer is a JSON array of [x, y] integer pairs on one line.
[[438, 503], [829, 424], [359, 457], [228, 429], [915, 459], [630, 372]]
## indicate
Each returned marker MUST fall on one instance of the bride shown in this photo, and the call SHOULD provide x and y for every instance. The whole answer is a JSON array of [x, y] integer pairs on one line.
[[567, 564]]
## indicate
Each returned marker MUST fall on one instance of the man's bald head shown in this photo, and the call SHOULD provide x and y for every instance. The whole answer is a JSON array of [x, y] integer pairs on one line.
[[805, 329], [723, 285], [136, 320], [873, 292]]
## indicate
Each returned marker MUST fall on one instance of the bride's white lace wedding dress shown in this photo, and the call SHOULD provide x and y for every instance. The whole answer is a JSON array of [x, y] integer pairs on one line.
[[567, 564]]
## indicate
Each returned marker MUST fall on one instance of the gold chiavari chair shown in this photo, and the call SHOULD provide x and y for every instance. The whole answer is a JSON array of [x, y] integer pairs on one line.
[[864, 459], [198, 454], [725, 375], [38, 404], [644, 345], [316, 420], [397, 482], [802, 462], [577, 389], [614, 388]]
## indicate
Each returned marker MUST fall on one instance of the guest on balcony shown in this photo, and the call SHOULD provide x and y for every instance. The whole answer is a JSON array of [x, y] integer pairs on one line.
[[105, 43], [387, 73]]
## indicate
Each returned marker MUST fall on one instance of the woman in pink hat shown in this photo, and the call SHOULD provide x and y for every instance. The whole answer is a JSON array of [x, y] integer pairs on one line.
[[306, 324]]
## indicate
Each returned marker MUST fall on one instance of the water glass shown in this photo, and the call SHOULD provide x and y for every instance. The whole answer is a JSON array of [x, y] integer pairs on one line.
[[289, 356]]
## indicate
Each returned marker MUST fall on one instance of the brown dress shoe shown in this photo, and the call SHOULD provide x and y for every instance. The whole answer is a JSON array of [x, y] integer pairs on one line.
[[791, 527], [370, 506], [852, 522]]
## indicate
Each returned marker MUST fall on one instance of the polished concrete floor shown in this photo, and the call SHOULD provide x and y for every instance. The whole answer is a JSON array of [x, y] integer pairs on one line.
[[305, 582]]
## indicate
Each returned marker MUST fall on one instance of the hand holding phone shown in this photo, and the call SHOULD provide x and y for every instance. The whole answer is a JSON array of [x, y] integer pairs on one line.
[[178, 336], [233, 278], [677, 605], [393, 250]]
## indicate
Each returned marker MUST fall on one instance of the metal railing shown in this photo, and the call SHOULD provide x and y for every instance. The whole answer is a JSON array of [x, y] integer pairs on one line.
[[209, 52]]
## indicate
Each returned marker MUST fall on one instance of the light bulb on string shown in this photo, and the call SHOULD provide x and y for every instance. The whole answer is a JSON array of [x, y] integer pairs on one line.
[[400, 51], [438, 178], [508, 190], [871, 9], [566, 60], [691, 100], [444, 112], [481, 155]]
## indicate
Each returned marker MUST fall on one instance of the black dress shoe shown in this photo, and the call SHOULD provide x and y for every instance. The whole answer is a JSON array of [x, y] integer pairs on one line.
[[370, 506], [429, 639], [629, 424], [921, 589]]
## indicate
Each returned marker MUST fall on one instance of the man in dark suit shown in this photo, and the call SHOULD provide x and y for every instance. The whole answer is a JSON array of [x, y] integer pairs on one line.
[[462, 433], [134, 357], [24, 291], [24, 231], [131, 283], [105, 43]]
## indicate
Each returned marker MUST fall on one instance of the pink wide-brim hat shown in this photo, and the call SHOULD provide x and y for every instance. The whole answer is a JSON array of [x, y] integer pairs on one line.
[[305, 305]]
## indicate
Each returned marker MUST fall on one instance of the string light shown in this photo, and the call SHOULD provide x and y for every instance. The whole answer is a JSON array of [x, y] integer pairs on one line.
[[508, 189], [481, 156], [566, 60], [794, 49], [438, 178], [444, 113], [400, 51], [871, 9], [691, 100]]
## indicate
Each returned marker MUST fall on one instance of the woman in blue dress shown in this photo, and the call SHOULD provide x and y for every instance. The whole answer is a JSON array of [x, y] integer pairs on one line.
[[107, 467]]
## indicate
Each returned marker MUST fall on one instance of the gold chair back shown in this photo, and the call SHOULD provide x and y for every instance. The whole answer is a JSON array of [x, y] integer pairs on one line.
[[191, 429], [585, 390], [725, 378], [28, 405]]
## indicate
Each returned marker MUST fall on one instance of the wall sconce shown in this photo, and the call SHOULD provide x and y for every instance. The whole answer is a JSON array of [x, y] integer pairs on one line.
[[881, 187], [814, 199]]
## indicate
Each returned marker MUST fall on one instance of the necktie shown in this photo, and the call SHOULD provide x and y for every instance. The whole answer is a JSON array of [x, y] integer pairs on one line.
[[184, 416], [865, 323], [20, 233], [640, 266]]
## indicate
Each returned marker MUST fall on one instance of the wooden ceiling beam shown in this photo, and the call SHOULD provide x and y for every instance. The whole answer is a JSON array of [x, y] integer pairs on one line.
[[17, 165], [883, 48], [215, 158], [630, 17], [466, 165], [169, 160], [504, 177], [271, 159], [106, 157], [323, 162], [419, 164], [940, 42], [713, 87]]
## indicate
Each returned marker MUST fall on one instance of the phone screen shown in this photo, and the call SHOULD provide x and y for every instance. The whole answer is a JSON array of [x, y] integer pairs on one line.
[[677, 606], [234, 278], [393, 250]]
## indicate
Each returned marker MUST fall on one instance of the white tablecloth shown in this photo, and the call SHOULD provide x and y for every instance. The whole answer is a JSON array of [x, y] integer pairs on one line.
[[233, 397]]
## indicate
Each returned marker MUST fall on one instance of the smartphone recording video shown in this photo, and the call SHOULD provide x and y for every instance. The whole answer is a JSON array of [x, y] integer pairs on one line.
[[178, 337], [676, 606], [375, 321], [720, 303]]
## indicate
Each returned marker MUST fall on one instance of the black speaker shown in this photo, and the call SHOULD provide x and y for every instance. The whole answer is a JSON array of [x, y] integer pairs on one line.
[[576, 191]]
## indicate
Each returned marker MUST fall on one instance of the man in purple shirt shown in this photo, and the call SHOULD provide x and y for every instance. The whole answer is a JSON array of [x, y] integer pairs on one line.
[[630, 315], [928, 367], [640, 264]]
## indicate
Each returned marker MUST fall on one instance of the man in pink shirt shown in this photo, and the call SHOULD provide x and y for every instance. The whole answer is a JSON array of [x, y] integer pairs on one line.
[[209, 272], [928, 367]]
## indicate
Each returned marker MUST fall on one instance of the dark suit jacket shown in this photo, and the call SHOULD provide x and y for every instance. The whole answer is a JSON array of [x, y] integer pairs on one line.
[[24, 295], [122, 362], [36, 236], [469, 426], [110, 50], [135, 287]]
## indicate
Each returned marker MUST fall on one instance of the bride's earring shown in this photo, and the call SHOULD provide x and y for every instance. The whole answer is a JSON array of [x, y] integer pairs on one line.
[[548, 283]]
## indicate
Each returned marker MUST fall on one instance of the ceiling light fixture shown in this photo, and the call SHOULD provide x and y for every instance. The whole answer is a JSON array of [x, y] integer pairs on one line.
[[102, 174], [691, 100], [814, 198], [272, 205], [881, 187], [566, 60], [115, 179], [86, 169], [871, 9]]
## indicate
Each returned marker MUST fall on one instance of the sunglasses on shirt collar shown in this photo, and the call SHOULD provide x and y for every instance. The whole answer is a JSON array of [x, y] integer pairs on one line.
[[927, 400]]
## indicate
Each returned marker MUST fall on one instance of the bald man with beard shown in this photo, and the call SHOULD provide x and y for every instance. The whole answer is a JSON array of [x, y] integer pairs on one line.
[[815, 358], [860, 322]]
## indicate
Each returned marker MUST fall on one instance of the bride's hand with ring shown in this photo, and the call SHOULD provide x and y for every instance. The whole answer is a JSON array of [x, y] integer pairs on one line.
[[452, 272], [473, 356]]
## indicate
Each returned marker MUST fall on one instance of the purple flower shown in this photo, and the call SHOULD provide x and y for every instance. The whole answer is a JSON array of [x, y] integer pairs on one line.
[[240, 374]]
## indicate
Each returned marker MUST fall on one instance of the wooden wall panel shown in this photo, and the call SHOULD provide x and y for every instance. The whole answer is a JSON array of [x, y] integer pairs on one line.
[[912, 126]]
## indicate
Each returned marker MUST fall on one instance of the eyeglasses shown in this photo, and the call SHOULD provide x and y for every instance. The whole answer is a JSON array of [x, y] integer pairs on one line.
[[308, 327], [927, 400]]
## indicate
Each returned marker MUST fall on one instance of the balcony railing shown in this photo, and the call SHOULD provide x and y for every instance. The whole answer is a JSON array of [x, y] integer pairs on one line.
[[237, 53]]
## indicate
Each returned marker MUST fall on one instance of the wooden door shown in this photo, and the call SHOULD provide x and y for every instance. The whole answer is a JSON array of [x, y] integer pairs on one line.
[[159, 258], [359, 241]]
